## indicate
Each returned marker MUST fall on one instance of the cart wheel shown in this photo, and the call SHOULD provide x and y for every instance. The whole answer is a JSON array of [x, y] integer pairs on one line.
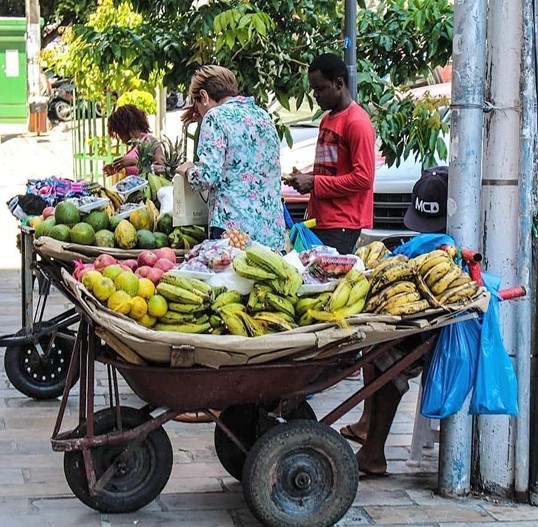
[[242, 420], [137, 480], [37, 377], [302, 474]]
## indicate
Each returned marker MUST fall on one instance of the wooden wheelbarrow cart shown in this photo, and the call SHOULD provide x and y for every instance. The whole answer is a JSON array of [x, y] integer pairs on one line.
[[295, 470]]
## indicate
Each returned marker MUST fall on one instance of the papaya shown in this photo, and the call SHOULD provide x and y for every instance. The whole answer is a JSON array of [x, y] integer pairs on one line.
[[141, 219], [125, 235]]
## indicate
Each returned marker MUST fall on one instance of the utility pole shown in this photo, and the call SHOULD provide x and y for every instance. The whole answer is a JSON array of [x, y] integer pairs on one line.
[[500, 210], [463, 221], [33, 46], [350, 45]]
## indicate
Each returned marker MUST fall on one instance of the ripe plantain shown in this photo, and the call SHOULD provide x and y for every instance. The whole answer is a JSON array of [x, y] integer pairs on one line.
[[388, 292], [445, 282], [401, 271], [437, 272], [397, 300], [458, 293], [409, 308]]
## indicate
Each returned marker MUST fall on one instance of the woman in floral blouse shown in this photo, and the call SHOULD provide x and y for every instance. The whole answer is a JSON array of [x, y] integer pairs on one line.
[[238, 163]]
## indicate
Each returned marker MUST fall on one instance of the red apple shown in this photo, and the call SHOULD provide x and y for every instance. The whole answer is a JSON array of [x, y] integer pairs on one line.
[[142, 271], [147, 257], [48, 211], [104, 260], [131, 263], [163, 264], [166, 252], [154, 274]]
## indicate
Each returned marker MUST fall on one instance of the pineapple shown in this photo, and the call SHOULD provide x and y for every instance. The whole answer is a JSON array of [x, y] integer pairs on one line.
[[146, 152], [174, 155]]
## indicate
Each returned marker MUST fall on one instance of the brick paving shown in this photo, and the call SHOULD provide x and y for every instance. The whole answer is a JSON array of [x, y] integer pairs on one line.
[[33, 490]]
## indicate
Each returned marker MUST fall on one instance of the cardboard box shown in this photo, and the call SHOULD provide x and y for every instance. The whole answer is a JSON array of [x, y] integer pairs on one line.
[[189, 207]]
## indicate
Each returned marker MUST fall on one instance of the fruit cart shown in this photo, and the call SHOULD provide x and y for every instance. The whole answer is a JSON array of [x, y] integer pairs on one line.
[[37, 356], [294, 469]]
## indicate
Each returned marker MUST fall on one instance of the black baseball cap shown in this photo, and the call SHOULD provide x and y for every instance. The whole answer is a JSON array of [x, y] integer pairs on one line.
[[427, 211]]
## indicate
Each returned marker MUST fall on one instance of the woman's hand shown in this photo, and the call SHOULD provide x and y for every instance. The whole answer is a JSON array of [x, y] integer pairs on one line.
[[182, 169], [123, 162], [190, 114]]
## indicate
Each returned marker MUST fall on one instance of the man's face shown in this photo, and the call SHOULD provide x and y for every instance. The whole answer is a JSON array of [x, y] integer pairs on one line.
[[326, 92]]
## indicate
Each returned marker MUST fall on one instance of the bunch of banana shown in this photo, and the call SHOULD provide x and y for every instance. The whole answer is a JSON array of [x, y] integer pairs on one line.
[[372, 253], [154, 184], [346, 300], [262, 265], [308, 303], [113, 196], [181, 290], [187, 236], [441, 281], [390, 270]]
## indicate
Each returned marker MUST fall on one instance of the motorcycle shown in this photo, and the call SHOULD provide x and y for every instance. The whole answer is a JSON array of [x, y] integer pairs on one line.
[[60, 103]]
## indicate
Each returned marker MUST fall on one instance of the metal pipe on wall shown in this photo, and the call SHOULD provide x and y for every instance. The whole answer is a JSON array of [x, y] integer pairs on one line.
[[527, 209], [500, 210], [463, 222]]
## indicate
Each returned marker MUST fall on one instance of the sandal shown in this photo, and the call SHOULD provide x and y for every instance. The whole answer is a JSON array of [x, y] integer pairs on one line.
[[348, 433]]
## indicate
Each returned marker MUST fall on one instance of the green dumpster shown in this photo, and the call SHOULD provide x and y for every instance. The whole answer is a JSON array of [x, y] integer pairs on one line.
[[13, 73]]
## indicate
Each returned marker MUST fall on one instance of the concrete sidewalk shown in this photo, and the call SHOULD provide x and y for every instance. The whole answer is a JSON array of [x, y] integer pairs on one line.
[[33, 489]]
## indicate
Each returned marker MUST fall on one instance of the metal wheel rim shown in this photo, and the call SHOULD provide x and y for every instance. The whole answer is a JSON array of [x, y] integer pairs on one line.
[[45, 370], [302, 481], [132, 472]]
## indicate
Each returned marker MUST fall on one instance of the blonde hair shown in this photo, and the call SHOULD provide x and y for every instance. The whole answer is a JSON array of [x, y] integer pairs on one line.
[[217, 81]]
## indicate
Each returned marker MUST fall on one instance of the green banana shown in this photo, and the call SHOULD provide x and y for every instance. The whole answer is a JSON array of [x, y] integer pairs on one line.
[[183, 328], [228, 297]]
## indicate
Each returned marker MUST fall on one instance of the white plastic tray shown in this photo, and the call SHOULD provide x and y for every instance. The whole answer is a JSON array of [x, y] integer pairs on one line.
[[127, 213], [312, 289], [124, 194], [100, 203], [199, 275]]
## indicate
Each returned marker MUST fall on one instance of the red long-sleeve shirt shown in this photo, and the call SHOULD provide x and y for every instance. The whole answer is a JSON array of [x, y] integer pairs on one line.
[[344, 169]]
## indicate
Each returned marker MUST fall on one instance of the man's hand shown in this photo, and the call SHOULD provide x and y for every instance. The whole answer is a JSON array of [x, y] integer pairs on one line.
[[302, 183]]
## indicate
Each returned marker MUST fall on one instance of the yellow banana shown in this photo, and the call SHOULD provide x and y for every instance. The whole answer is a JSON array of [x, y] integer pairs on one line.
[[232, 308], [178, 294], [305, 303], [359, 290], [180, 307], [456, 294], [190, 284], [254, 327], [409, 308], [253, 272], [425, 291], [445, 282], [351, 309], [183, 328], [279, 303], [377, 251], [233, 323], [437, 272], [417, 261], [402, 271], [362, 252], [397, 300], [269, 261], [441, 256], [228, 297], [464, 278], [274, 321], [403, 286], [173, 317], [340, 295]]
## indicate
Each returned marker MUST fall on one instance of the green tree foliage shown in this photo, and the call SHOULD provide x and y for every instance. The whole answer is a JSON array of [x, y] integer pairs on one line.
[[269, 44]]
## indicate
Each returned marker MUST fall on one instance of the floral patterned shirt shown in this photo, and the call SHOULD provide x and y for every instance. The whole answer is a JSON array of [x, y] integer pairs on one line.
[[239, 169]]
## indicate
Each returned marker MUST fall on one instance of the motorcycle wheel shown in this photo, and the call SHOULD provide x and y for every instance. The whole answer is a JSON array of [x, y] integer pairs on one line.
[[62, 110]]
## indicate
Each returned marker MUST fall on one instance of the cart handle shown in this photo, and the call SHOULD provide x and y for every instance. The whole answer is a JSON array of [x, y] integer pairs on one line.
[[512, 292]]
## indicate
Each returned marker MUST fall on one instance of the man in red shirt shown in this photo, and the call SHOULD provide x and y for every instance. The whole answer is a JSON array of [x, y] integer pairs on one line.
[[341, 183]]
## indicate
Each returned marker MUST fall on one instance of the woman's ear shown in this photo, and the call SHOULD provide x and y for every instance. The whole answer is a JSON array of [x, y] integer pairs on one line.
[[204, 97]]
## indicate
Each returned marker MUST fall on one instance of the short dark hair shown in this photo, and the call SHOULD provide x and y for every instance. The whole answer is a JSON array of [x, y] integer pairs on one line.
[[331, 67], [126, 119]]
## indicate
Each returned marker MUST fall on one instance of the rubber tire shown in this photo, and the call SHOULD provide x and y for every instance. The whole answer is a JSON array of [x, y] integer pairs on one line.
[[14, 365], [121, 495], [312, 450], [242, 420], [63, 111]]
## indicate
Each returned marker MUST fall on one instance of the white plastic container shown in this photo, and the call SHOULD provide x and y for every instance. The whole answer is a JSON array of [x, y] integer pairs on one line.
[[99, 203], [127, 213], [189, 207], [124, 194]]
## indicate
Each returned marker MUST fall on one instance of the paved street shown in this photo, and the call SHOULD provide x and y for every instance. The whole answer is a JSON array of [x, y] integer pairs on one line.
[[33, 489]]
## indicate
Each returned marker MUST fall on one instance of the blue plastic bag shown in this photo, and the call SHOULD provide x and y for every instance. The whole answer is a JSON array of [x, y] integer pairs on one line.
[[495, 390], [302, 238], [423, 243], [452, 370]]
